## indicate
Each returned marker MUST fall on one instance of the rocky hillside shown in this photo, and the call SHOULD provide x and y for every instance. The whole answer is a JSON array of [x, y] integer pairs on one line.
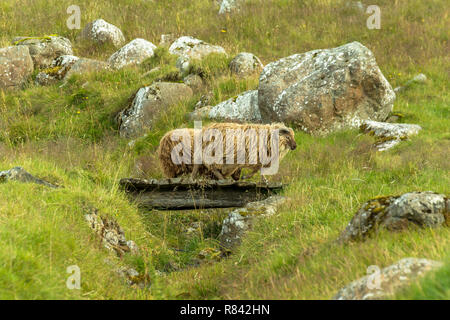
[[364, 213]]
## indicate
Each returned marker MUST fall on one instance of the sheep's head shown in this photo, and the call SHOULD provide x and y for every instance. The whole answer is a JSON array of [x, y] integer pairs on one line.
[[287, 139]]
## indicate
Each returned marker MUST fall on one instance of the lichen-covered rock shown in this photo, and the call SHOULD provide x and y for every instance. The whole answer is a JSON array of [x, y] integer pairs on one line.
[[57, 71], [111, 234], [321, 91], [147, 104], [199, 113], [245, 64], [388, 281], [239, 221], [389, 134], [85, 65], [194, 81], [102, 32], [44, 50], [193, 48], [21, 175], [16, 67], [396, 213], [228, 6], [132, 53], [243, 108], [188, 48]]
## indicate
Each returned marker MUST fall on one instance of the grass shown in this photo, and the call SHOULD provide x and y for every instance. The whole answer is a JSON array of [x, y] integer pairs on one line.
[[68, 135]]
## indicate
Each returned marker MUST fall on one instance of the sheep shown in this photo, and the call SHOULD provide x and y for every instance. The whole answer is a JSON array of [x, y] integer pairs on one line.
[[173, 170], [220, 168], [286, 142]]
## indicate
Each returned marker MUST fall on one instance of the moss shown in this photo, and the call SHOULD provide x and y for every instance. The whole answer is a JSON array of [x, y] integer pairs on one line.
[[47, 38], [53, 71]]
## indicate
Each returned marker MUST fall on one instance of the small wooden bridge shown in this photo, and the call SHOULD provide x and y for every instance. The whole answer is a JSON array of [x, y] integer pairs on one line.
[[185, 193]]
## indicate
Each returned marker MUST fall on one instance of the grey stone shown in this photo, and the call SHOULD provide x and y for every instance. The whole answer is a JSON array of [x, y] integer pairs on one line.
[[147, 104], [16, 66], [243, 108], [245, 64], [397, 213], [43, 50], [389, 280], [389, 134], [239, 221], [101, 32], [21, 175], [132, 53]]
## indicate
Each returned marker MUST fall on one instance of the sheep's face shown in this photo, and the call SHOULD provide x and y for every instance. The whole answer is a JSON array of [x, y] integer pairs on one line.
[[287, 139]]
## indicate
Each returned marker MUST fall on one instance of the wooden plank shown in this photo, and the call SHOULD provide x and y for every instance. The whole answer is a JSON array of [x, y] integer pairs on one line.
[[185, 193]]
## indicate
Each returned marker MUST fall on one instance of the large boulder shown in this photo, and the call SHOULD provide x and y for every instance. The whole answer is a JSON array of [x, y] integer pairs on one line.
[[396, 213], [101, 32], [245, 64], [132, 53], [44, 50], [147, 104], [324, 90], [243, 108], [16, 66], [388, 281]]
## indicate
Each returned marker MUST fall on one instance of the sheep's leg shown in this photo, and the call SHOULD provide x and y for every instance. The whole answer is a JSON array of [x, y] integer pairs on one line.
[[263, 178], [218, 175], [195, 171]]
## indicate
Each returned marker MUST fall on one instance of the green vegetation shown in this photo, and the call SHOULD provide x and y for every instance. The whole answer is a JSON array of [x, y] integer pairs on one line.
[[67, 134]]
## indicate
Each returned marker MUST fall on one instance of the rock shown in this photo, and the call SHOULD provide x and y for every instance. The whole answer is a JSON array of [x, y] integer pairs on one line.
[[19, 174], [133, 278], [132, 53], [228, 6], [245, 64], [44, 50], [322, 91], [239, 221], [85, 65], [16, 66], [389, 281], [200, 113], [57, 71], [148, 102], [167, 40], [420, 78], [396, 213], [188, 48], [101, 32], [194, 81], [389, 134], [111, 234], [243, 108]]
